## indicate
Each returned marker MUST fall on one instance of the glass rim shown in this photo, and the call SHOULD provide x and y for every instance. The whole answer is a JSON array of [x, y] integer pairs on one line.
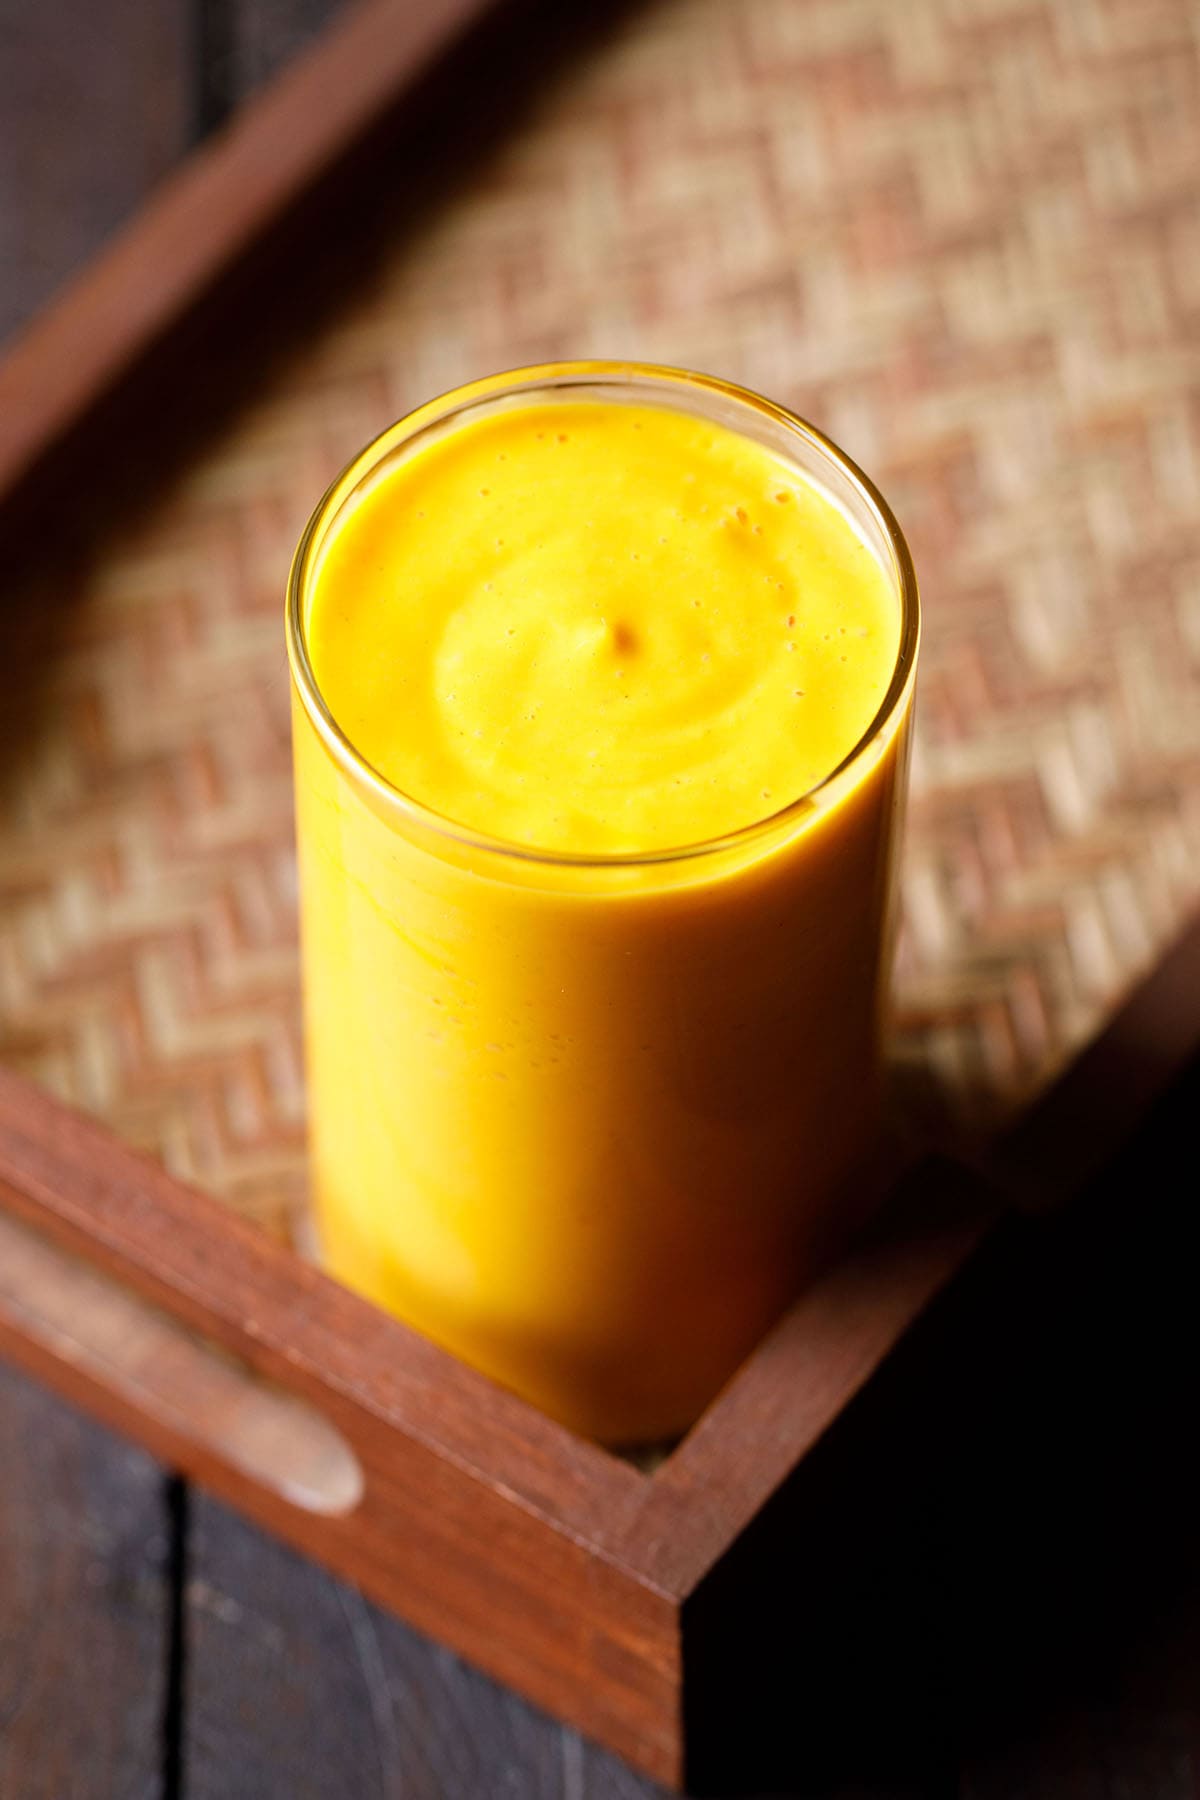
[[600, 373]]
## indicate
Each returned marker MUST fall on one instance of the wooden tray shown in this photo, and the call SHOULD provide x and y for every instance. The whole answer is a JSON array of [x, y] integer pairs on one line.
[[163, 431]]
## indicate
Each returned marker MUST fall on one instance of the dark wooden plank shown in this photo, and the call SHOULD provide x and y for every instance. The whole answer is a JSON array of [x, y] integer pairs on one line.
[[215, 281], [994, 1573], [481, 1520], [84, 1613], [239, 45], [73, 1182], [553, 1565], [95, 107], [296, 1686], [590, 1773], [266, 34], [200, 227]]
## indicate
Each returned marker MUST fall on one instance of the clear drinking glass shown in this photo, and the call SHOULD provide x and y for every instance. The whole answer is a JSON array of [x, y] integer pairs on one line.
[[590, 1121]]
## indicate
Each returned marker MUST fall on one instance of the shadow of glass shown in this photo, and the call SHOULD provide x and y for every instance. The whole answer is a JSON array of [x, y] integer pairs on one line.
[[1001, 1531]]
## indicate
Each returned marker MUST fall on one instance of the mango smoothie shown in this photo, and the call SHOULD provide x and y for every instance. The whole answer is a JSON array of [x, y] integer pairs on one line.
[[601, 685]]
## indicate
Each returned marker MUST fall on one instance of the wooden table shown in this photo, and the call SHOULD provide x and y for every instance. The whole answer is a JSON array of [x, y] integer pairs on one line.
[[152, 1644]]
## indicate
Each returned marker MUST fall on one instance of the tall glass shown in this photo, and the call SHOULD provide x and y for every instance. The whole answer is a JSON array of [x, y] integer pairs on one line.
[[589, 1120]]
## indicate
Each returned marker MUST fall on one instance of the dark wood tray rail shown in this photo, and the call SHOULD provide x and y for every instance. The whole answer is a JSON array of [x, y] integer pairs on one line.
[[621, 1600], [559, 1568], [185, 249]]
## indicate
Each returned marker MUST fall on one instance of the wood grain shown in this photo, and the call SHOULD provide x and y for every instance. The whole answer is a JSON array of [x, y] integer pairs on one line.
[[201, 223], [990, 1522], [549, 1563], [806, 1372], [298, 1687], [95, 108], [483, 1522], [84, 1606], [346, 1701], [591, 1565], [267, 34], [187, 1253], [901, 286]]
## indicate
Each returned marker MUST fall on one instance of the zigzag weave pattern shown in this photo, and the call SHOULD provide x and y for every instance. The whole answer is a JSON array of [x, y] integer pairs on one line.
[[963, 236]]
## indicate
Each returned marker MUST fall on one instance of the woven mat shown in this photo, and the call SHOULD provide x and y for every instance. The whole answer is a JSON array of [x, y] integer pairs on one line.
[[961, 235]]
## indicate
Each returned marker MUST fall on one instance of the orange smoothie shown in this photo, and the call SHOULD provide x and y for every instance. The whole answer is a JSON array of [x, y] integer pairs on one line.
[[602, 686]]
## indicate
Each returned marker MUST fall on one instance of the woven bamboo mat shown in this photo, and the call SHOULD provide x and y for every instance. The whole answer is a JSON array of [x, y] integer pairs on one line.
[[961, 235]]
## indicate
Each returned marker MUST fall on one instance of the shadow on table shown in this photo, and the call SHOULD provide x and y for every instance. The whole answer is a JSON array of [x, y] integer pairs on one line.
[[997, 1533]]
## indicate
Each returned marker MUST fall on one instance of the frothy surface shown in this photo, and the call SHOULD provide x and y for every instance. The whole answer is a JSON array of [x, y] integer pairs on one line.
[[600, 628]]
